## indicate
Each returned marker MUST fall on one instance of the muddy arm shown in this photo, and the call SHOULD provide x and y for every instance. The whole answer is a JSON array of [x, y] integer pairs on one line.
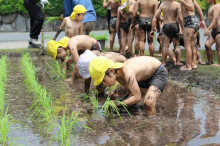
[[58, 32], [105, 4], [187, 5], [60, 29]]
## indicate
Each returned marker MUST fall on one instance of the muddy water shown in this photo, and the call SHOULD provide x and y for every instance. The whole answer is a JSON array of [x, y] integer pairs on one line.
[[183, 117]]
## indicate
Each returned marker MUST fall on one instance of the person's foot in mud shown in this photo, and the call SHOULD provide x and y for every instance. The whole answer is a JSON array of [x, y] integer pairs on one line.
[[185, 68], [209, 63], [194, 67]]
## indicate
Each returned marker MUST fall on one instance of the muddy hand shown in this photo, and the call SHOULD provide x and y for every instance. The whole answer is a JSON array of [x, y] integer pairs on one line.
[[202, 25], [151, 34]]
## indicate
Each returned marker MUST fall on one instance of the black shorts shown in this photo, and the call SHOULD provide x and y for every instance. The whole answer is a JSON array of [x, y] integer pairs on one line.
[[125, 26], [171, 30], [96, 46], [159, 79], [215, 32], [113, 21], [145, 23], [191, 22]]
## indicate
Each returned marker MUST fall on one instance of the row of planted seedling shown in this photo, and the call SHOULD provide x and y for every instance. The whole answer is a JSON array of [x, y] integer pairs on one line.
[[5, 119], [43, 106]]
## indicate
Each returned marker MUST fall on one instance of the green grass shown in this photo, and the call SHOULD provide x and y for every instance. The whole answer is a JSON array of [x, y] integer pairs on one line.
[[51, 19], [110, 106], [99, 36]]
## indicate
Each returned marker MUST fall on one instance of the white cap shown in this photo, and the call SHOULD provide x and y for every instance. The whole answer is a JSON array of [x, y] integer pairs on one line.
[[83, 63]]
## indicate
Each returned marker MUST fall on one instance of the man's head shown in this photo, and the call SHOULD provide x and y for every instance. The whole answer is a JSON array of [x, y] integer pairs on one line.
[[211, 1], [57, 49], [83, 63], [102, 70], [78, 13]]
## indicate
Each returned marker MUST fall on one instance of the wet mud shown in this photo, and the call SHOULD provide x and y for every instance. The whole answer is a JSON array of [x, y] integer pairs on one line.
[[188, 111]]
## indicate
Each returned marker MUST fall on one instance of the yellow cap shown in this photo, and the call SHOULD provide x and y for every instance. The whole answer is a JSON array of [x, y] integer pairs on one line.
[[116, 0], [78, 9], [52, 46], [161, 13], [217, 1], [124, 6], [98, 67]]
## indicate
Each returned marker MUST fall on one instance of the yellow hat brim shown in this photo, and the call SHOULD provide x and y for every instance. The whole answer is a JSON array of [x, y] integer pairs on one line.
[[112, 65]]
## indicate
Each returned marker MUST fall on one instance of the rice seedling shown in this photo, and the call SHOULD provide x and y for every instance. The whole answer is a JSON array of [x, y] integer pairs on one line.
[[42, 105], [94, 99], [5, 123], [70, 125], [110, 106], [56, 71], [5, 119]]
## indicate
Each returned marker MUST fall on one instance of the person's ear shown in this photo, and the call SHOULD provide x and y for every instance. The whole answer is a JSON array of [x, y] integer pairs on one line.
[[112, 70]]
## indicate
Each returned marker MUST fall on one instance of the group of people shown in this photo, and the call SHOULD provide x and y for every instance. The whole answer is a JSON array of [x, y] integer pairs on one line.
[[140, 75]]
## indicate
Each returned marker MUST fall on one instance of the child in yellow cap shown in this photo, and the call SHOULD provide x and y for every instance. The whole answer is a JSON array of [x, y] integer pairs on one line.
[[73, 24], [136, 74], [76, 45]]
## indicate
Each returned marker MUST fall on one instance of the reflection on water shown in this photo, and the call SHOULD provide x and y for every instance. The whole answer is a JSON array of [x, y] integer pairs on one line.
[[183, 117]]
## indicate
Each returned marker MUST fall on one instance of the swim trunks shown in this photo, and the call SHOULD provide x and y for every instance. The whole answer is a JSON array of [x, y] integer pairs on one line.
[[136, 21], [171, 30], [215, 32], [125, 26], [113, 21], [145, 23], [191, 22], [159, 79], [96, 46]]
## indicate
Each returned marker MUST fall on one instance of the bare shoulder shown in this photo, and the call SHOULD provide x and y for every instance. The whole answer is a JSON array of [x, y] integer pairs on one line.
[[115, 57]]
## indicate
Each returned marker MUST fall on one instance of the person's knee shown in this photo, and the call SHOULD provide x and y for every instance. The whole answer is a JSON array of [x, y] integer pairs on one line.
[[207, 45], [149, 103]]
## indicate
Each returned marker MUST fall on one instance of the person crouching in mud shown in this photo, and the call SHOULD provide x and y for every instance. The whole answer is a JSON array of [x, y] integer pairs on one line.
[[136, 75], [84, 61], [76, 45]]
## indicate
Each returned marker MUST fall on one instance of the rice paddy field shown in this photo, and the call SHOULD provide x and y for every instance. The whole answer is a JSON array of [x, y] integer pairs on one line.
[[38, 108]]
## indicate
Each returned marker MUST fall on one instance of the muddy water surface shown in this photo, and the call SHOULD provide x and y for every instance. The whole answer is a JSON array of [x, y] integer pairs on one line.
[[184, 117]]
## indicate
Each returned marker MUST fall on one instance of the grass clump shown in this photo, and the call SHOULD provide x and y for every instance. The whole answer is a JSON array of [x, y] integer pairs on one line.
[[94, 99], [42, 105], [51, 19], [99, 36]]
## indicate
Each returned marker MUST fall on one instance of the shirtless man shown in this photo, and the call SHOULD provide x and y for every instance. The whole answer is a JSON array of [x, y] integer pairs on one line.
[[134, 26], [214, 37], [114, 9], [191, 27], [73, 24], [87, 57], [76, 45], [147, 11], [122, 25], [171, 13], [135, 74]]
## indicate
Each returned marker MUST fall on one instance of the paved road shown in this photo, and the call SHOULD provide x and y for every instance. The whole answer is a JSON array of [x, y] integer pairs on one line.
[[20, 40]]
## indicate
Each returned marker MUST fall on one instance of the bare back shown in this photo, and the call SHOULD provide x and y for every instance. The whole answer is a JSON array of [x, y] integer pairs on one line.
[[138, 68], [131, 6], [170, 11], [81, 42], [215, 9], [186, 12], [115, 57], [72, 28], [147, 7]]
